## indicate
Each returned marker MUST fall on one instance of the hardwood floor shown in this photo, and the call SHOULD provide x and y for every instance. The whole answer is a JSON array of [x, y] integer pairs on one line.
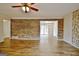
[[46, 46]]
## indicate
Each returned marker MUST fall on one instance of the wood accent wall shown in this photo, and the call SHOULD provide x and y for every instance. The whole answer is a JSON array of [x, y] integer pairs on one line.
[[25, 27], [32, 27], [60, 28]]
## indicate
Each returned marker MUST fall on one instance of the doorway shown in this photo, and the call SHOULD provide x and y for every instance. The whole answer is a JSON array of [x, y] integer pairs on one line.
[[49, 28]]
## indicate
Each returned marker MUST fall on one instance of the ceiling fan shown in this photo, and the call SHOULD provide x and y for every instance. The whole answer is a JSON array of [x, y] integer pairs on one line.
[[26, 7]]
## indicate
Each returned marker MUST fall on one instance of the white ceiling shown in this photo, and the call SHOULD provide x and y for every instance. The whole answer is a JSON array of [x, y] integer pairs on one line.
[[46, 10]]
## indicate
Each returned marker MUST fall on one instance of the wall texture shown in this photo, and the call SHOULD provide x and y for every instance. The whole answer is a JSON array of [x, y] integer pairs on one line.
[[24, 27], [75, 28], [60, 28], [71, 28]]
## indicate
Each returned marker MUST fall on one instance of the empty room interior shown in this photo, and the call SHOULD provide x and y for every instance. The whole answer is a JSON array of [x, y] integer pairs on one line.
[[39, 29]]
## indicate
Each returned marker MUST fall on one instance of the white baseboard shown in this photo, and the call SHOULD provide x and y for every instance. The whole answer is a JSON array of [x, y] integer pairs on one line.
[[71, 44], [75, 46]]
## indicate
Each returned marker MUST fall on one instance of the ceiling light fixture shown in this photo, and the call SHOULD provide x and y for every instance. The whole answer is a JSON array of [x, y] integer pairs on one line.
[[25, 9]]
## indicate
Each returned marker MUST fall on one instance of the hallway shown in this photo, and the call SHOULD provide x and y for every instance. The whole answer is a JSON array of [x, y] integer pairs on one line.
[[47, 46]]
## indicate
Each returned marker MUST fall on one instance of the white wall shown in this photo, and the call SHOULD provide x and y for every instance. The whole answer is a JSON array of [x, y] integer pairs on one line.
[[6, 27], [68, 28], [1, 30]]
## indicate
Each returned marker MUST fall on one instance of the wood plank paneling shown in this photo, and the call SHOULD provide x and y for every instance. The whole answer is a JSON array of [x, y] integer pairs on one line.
[[22, 27]]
